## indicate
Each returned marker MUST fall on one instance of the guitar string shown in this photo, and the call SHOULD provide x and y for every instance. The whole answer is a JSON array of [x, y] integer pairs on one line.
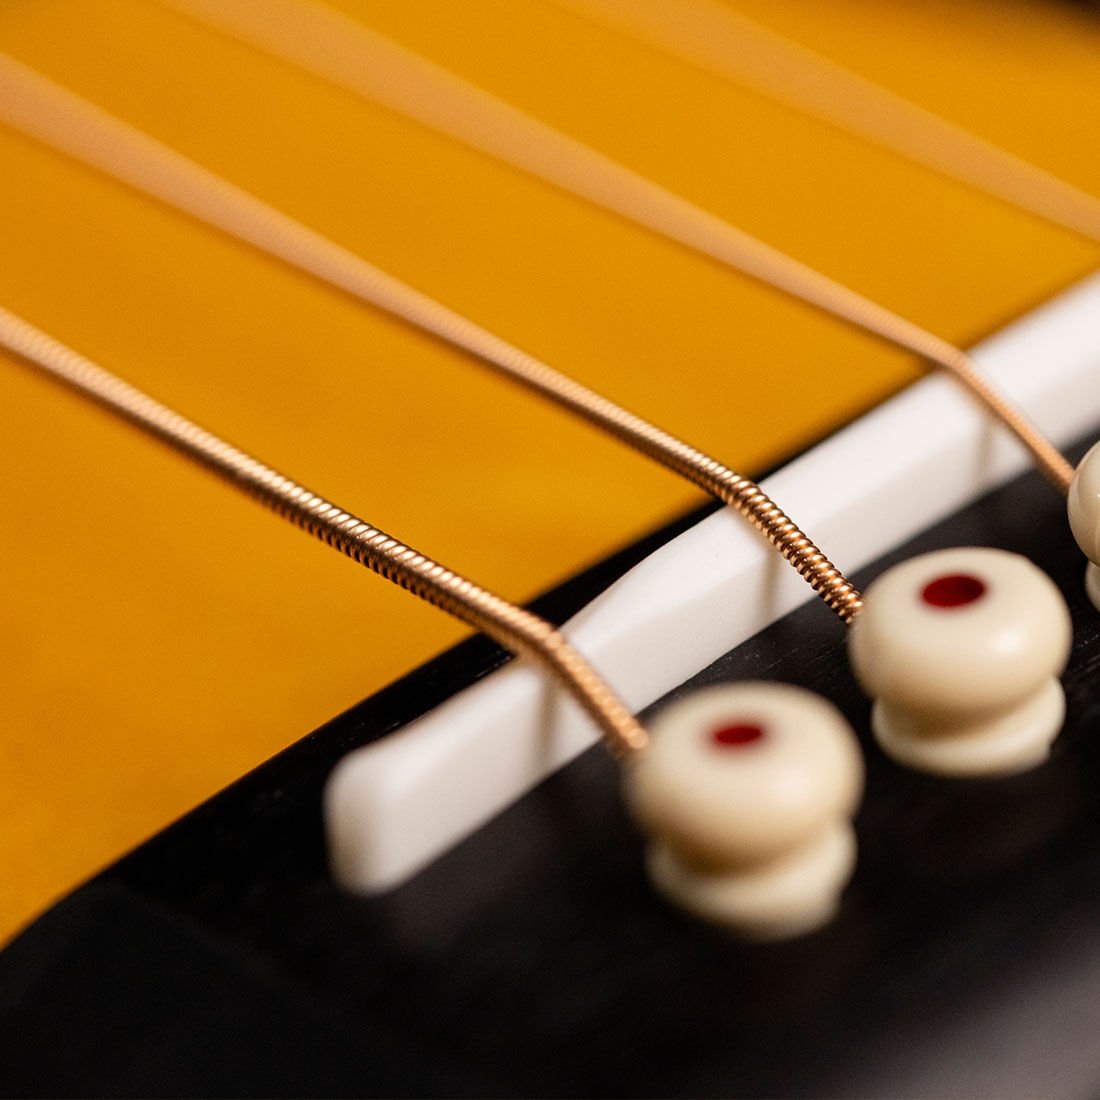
[[514, 627], [346, 53], [718, 40], [36, 106]]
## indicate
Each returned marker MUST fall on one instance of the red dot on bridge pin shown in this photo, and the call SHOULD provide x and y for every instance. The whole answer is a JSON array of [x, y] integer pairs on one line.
[[953, 590], [737, 735]]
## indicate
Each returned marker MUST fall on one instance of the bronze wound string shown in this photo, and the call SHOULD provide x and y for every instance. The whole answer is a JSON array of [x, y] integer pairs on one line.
[[38, 107], [713, 37], [514, 627], [344, 52]]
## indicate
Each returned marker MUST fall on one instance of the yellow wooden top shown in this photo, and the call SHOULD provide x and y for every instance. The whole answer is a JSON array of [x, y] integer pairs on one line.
[[160, 635]]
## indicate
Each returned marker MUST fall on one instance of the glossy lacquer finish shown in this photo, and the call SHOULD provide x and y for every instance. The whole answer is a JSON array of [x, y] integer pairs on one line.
[[535, 959]]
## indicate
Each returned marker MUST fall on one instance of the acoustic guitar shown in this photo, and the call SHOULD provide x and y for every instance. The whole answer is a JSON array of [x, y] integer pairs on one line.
[[161, 638]]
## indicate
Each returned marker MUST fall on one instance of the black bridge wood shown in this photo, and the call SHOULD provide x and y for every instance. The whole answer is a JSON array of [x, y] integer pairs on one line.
[[533, 960]]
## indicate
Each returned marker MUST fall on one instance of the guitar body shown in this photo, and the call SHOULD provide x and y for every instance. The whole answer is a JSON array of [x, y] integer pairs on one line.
[[533, 959], [161, 638]]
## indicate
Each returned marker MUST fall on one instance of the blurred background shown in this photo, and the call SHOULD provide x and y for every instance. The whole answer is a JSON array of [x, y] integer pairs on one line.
[[159, 636]]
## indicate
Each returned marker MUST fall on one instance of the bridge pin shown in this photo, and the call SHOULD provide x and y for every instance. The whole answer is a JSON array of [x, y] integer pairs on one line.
[[748, 791], [961, 650], [1084, 517]]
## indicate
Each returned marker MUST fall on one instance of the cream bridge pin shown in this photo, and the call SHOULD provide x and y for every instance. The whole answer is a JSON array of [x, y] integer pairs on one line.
[[748, 793], [961, 651]]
